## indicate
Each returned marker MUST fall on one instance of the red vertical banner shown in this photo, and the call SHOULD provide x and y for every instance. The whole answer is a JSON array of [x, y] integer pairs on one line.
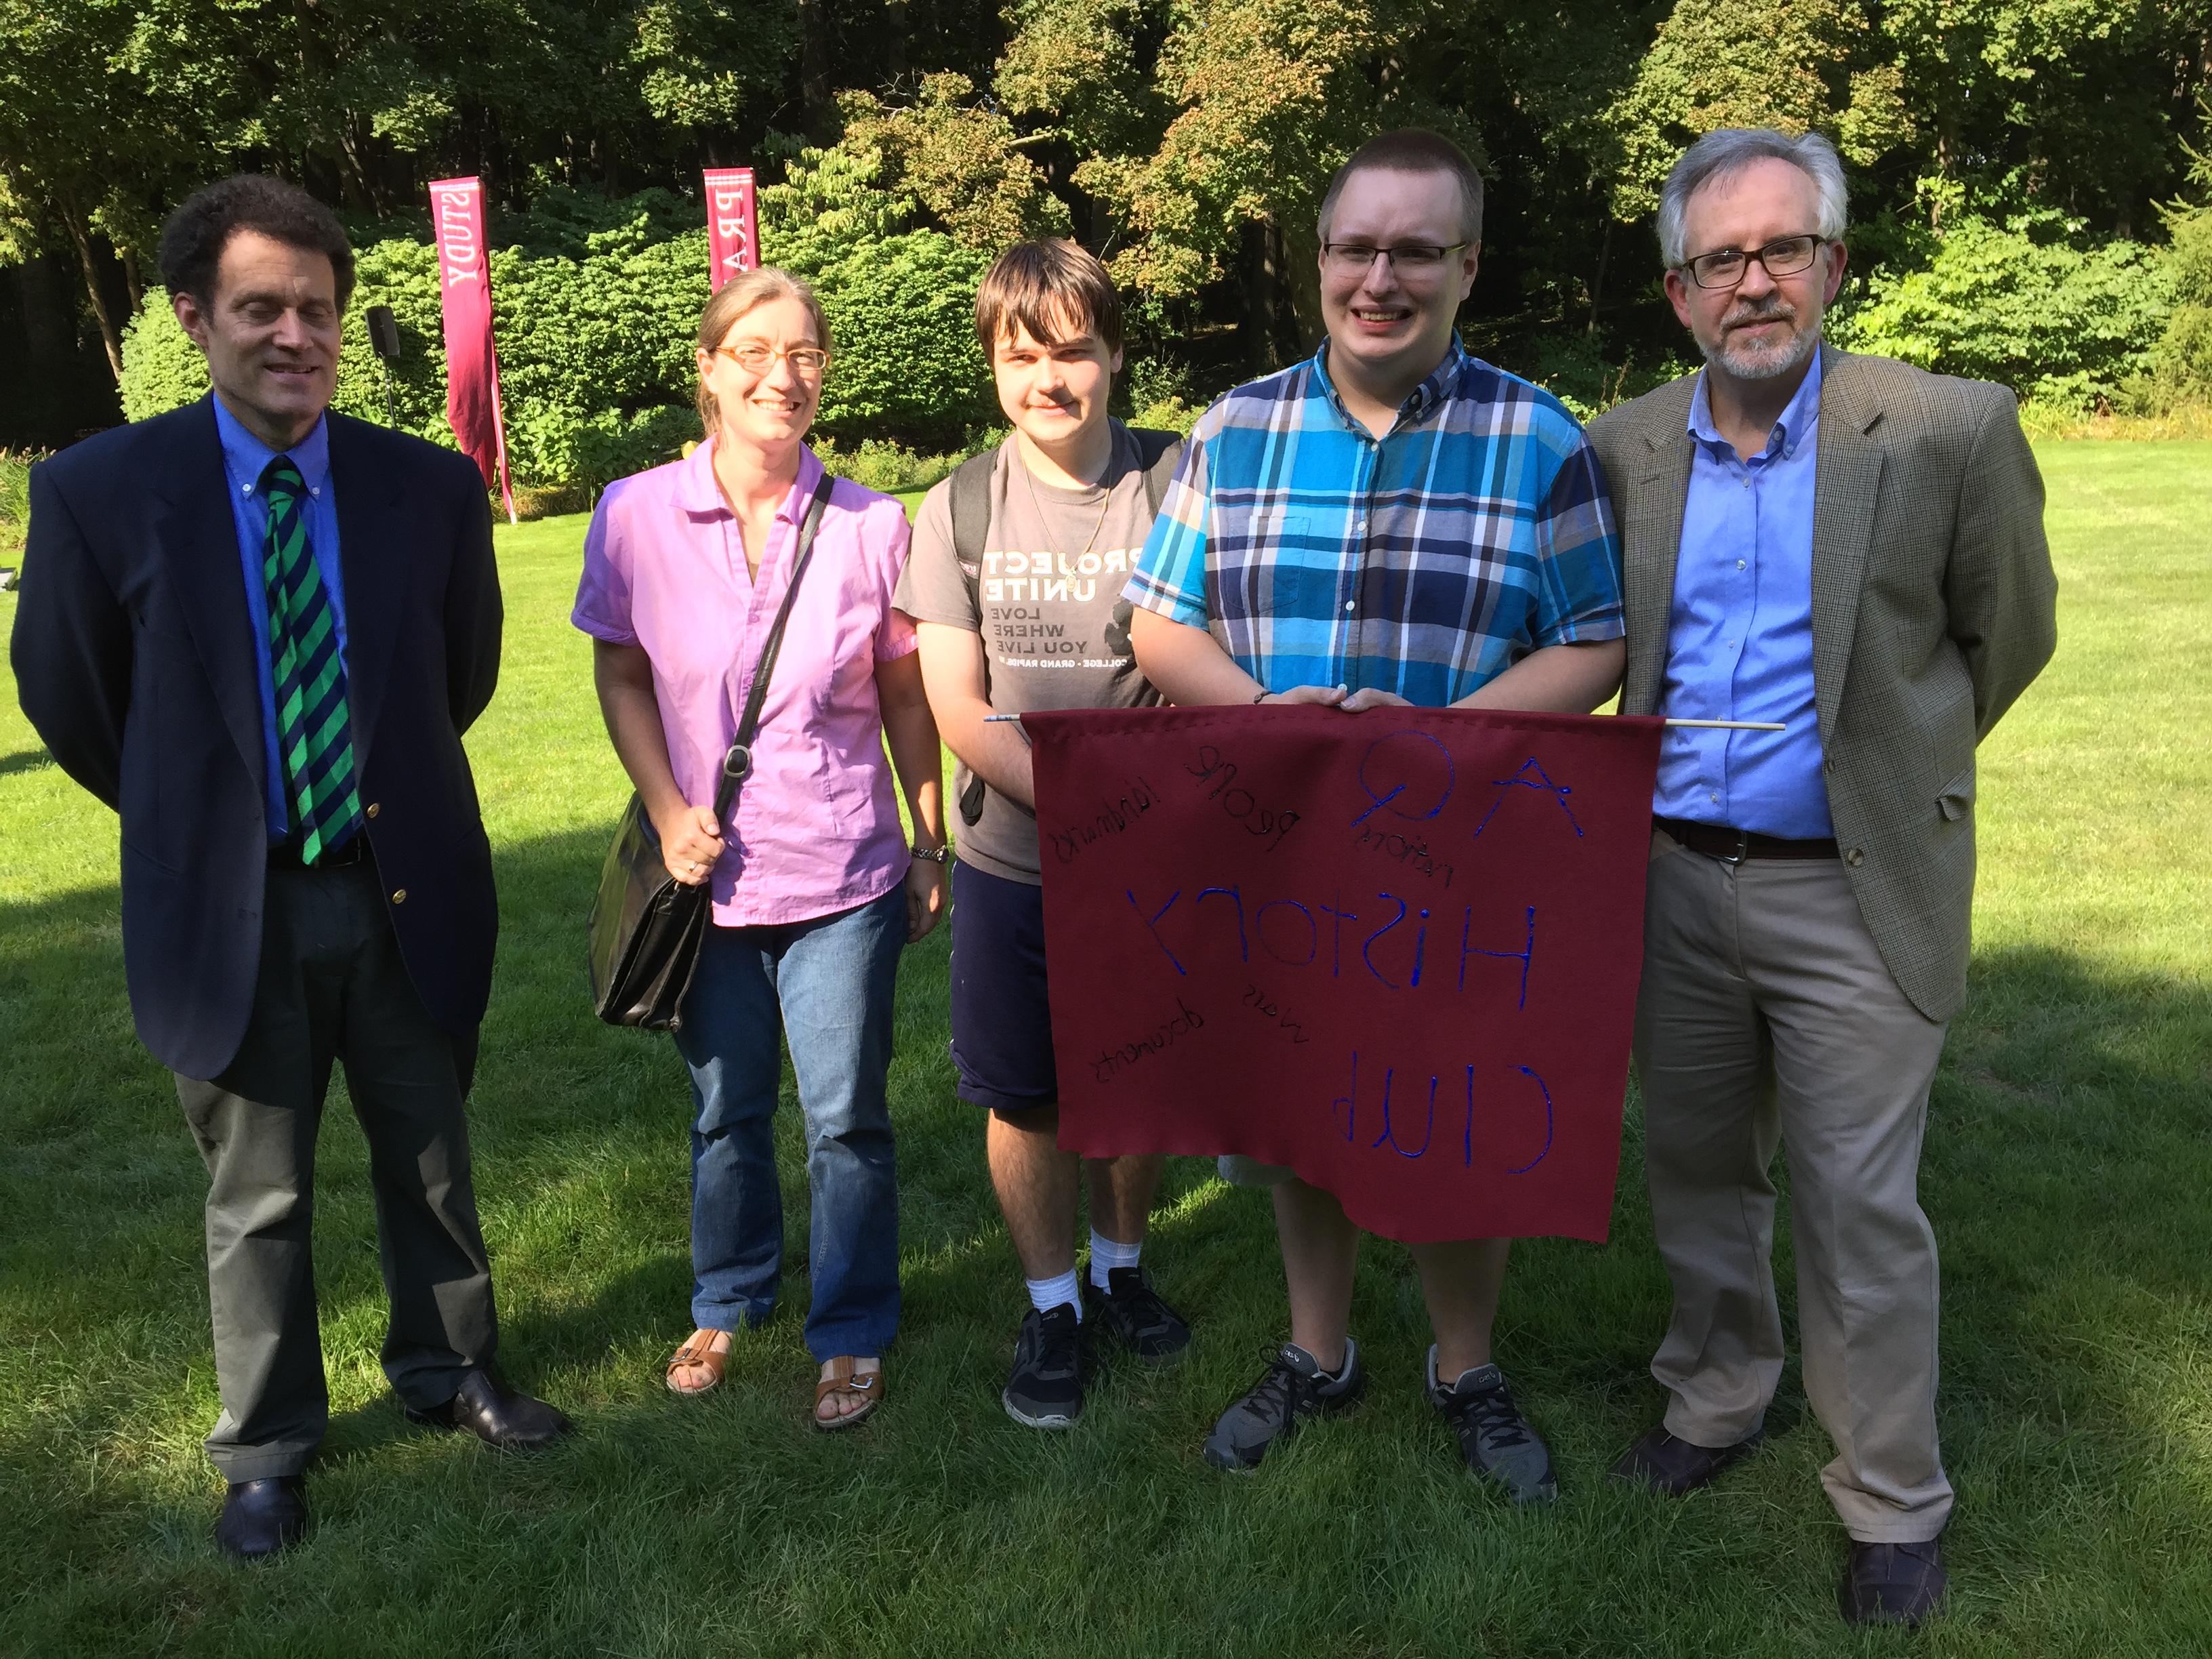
[[472, 405], [733, 228]]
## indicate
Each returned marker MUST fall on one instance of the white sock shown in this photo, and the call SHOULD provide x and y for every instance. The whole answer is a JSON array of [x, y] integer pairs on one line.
[[1106, 1255], [1046, 1294]]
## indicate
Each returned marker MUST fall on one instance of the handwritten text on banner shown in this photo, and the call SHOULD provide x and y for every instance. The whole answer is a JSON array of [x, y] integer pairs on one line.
[[1396, 951]]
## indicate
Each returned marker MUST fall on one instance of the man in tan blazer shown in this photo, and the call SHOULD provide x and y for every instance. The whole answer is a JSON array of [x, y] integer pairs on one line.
[[1851, 550]]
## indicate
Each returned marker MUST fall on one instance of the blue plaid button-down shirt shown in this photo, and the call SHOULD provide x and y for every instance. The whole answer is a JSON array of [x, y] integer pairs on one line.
[[1424, 564]]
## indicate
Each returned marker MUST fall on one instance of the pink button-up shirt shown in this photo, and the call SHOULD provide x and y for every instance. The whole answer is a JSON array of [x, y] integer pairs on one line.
[[816, 826]]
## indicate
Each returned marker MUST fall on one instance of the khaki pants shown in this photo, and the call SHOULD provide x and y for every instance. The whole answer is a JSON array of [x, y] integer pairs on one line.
[[1766, 1016]]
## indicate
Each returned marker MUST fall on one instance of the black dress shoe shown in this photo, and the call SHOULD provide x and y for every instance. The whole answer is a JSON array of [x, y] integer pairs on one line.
[[1674, 1466], [260, 1517], [1892, 1583], [508, 1422]]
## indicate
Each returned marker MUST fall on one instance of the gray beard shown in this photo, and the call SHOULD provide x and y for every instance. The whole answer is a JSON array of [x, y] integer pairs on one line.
[[1751, 363]]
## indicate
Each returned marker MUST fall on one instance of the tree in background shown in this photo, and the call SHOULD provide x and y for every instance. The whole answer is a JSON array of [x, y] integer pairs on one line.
[[1187, 141]]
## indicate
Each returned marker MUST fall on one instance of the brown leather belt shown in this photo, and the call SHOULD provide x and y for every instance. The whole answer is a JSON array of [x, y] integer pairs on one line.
[[1734, 846]]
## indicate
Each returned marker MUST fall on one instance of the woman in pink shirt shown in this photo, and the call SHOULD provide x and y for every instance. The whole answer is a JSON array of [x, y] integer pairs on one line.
[[815, 887]]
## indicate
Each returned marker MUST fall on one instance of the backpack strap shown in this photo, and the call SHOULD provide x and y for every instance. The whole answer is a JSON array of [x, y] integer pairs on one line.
[[1158, 453], [971, 528], [971, 520]]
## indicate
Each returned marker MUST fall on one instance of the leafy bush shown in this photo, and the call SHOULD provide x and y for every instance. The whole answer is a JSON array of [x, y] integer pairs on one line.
[[2064, 325], [875, 465], [597, 336], [2181, 363], [14, 498]]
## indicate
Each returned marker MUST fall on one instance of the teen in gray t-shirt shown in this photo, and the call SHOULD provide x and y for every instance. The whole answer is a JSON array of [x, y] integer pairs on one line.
[[1047, 599]]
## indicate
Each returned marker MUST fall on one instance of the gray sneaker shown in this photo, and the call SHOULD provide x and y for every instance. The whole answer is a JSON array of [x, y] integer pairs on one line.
[[1293, 1389], [1496, 1439]]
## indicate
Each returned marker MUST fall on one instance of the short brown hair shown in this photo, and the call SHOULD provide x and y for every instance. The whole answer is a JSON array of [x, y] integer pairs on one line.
[[1052, 287], [1412, 149], [746, 292]]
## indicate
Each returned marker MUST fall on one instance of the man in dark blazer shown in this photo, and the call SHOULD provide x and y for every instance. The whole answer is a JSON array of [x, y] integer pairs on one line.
[[1851, 551], [257, 630]]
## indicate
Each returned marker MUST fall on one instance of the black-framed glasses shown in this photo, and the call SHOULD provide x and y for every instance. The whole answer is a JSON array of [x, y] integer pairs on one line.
[[1407, 259], [755, 356], [1785, 255]]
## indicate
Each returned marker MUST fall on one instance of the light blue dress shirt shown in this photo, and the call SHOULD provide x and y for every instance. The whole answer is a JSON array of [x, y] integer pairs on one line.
[[1739, 635], [244, 459]]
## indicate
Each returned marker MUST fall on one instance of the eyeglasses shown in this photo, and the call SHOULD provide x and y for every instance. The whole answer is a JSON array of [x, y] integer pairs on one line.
[[754, 357], [1412, 259], [1785, 255]]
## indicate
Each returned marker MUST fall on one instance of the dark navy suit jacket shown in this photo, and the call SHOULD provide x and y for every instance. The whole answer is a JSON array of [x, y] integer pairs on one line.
[[135, 660]]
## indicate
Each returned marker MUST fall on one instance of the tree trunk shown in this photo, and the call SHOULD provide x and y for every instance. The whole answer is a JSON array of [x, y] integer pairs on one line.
[[1597, 283], [818, 108], [108, 335], [1259, 326], [131, 284]]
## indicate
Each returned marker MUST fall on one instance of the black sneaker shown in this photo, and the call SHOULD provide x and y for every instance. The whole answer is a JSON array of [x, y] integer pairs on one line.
[[1497, 1443], [1131, 1311], [1293, 1389], [1051, 1360]]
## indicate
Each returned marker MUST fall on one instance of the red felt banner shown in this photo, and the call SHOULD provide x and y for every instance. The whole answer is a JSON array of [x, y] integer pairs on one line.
[[1396, 951], [733, 230], [472, 405]]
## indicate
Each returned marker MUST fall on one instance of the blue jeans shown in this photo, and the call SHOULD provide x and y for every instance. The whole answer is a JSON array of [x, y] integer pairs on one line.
[[826, 986]]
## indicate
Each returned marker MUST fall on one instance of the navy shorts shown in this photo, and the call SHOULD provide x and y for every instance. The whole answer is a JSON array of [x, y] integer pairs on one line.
[[1001, 1022]]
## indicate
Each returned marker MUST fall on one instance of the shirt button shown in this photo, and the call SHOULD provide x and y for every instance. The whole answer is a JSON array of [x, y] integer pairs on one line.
[[1350, 604], [399, 896], [1715, 798], [1739, 564], [371, 809], [1855, 858]]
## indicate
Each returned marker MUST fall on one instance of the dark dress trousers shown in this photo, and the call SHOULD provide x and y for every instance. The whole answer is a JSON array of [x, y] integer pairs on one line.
[[135, 660]]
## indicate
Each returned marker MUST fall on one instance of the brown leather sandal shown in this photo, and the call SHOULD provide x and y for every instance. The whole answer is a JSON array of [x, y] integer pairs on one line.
[[699, 1349], [867, 1388]]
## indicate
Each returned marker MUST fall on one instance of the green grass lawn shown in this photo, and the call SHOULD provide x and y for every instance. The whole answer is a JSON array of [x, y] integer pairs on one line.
[[2069, 1173]]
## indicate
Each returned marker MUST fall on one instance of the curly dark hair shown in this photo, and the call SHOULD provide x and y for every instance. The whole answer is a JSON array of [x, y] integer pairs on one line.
[[195, 235]]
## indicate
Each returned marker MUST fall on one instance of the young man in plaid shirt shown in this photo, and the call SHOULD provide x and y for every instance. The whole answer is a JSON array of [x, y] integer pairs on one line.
[[1392, 522]]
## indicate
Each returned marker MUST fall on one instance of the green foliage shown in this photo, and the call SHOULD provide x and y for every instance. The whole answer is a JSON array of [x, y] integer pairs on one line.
[[961, 161], [901, 303], [14, 498], [2181, 364], [1790, 64], [902, 313], [596, 341], [2063, 325]]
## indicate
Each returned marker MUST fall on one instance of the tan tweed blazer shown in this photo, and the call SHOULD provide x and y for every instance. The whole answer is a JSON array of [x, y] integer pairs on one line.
[[1933, 608]]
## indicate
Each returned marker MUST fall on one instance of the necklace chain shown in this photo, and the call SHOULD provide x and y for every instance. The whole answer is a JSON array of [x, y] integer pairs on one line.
[[1105, 506]]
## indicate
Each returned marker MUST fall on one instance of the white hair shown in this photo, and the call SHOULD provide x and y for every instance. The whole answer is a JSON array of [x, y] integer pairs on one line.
[[1722, 154]]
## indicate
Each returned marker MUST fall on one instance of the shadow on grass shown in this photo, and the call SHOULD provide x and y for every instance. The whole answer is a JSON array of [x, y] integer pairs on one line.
[[24, 760], [2066, 1165]]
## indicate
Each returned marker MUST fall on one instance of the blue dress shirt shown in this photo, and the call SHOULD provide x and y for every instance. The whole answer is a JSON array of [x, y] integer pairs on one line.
[[244, 459], [1739, 635]]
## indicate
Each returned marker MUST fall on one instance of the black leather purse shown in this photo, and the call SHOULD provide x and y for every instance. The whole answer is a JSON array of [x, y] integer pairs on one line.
[[646, 926]]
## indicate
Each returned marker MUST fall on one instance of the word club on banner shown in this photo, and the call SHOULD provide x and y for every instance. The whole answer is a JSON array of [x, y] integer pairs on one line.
[[1397, 952], [472, 402], [733, 228]]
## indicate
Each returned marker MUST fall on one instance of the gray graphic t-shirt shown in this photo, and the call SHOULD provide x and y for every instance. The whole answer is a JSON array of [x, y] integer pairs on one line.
[[1046, 600]]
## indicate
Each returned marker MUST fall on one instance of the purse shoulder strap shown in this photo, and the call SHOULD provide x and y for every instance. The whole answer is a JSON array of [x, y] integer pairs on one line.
[[738, 764]]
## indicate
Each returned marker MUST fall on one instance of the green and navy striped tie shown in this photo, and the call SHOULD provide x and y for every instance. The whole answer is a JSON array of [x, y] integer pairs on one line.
[[314, 731]]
